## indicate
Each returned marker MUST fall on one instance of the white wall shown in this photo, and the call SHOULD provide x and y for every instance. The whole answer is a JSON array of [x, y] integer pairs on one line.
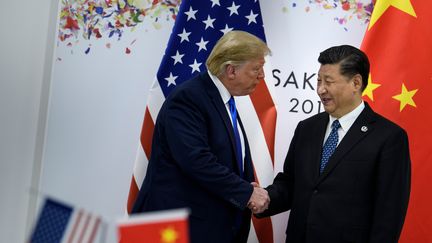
[[88, 160], [95, 113], [26, 32]]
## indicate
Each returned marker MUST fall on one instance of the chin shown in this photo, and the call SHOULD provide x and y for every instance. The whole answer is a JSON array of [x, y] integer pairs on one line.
[[328, 110]]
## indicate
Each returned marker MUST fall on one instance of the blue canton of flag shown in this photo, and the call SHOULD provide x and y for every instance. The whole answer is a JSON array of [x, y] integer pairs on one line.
[[52, 222], [199, 24]]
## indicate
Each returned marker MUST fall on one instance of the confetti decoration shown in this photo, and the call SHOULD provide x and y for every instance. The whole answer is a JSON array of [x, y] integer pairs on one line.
[[94, 20], [353, 9]]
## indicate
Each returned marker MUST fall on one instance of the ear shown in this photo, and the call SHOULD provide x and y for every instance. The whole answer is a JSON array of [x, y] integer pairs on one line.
[[357, 81], [230, 71]]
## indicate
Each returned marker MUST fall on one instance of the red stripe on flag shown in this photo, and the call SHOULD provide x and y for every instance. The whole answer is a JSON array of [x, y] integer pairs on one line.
[[266, 111], [74, 229], [94, 231], [264, 229], [146, 139], [84, 228], [147, 133], [133, 193]]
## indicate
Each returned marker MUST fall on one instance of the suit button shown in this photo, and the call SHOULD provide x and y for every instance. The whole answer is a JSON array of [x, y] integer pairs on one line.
[[315, 191]]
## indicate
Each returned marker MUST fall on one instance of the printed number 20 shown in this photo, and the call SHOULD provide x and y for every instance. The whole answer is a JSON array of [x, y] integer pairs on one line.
[[307, 106]]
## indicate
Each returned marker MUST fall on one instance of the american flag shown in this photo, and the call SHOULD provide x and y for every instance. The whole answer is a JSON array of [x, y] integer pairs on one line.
[[59, 222], [199, 24]]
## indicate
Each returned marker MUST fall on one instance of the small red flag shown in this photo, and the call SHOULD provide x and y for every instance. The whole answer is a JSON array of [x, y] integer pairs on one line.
[[170, 226]]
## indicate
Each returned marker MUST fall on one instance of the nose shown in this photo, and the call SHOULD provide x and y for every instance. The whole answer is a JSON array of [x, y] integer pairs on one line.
[[261, 74], [321, 89]]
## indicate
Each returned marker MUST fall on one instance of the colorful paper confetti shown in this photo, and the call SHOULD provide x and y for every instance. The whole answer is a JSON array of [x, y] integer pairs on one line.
[[100, 19], [353, 9], [360, 9]]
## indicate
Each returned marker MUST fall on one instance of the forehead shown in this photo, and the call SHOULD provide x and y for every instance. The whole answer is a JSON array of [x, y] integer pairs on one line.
[[255, 62], [329, 70]]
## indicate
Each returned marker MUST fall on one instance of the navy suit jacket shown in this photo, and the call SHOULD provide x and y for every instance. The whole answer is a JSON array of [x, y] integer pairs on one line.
[[362, 194], [193, 165]]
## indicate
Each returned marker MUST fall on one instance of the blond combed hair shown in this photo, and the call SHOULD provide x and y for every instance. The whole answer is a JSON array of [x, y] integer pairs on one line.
[[235, 48]]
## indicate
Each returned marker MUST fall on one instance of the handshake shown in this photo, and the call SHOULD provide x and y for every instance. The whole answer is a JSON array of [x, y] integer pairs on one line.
[[259, 200]]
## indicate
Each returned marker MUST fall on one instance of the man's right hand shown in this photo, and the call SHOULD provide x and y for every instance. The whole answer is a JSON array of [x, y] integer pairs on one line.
[[259, 200]]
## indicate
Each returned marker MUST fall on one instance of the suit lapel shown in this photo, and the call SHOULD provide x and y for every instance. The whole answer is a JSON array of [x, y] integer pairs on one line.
[[216, 99], [358, 131]]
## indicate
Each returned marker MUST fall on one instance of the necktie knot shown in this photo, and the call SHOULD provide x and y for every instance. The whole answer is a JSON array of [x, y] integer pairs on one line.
[[336, 125], [232, 105]]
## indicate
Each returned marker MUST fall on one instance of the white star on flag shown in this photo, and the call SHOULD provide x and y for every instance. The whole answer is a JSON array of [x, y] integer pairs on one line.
[[233, 9], [215, 2], [251, 17], [191, 13], [184, 36], [226, 29], [177, 58], [195, 66], [202, 45], [171, 80], [209, 22]]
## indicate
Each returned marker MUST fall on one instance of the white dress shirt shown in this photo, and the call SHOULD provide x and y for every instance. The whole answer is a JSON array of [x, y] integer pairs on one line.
[[346, 122], [225, 95]]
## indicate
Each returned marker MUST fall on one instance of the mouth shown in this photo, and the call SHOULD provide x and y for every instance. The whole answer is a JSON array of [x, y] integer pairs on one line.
[[325, 101]]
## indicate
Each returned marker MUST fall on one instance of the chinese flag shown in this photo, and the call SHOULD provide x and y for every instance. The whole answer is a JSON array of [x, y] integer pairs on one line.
[[169, 226], [398, 42]]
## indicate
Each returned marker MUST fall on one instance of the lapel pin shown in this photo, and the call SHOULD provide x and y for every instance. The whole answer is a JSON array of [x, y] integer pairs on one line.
[[364, 129]]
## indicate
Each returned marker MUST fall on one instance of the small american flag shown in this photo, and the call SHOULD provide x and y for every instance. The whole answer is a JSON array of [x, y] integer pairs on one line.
[[59, 222], [199, 24]]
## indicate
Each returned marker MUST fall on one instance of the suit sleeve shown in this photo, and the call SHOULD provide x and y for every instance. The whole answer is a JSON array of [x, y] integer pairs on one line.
[[186, 135], [392, 189], [281, 191]]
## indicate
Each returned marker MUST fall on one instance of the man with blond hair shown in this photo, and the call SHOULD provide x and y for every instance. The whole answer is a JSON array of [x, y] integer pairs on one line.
[[200, 157]]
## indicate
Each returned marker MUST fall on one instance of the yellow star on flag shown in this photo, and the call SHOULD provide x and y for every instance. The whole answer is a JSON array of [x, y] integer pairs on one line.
[[169, 235], [370, 88], [382, 5], [405, 97]]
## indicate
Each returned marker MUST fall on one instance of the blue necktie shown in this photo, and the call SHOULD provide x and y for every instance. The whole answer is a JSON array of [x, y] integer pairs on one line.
[[239, 156], [330, 145]]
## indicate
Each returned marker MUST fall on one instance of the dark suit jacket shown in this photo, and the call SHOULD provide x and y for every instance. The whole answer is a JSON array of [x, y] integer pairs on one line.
[[363, 193], [193, 165]]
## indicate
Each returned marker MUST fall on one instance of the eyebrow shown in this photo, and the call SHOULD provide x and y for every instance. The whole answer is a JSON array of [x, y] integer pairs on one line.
[[325, 76]]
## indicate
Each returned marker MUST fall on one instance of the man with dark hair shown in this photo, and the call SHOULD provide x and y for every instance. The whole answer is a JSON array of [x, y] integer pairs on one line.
[[346, 177]]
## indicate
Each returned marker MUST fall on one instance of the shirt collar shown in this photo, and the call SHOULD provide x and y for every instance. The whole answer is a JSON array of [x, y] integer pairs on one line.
[[347, 120], [224, 93]]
